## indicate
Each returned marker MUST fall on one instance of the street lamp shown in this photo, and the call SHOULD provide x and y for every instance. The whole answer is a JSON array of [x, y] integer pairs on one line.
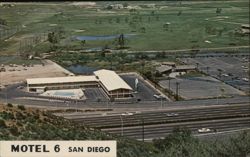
[[121, 125], [177, 90], [76, 106], [161, 101]]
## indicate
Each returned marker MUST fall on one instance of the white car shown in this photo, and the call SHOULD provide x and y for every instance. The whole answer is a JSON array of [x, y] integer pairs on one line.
[[159, 97], [226, 75], [171, 114], [127, 114], [245, 79], [204, 130]]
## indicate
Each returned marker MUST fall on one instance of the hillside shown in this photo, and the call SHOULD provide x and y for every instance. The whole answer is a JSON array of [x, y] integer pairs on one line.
[[21, 123]]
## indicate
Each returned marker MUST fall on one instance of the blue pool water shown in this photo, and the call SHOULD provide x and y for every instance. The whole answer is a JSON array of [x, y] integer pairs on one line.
[[65, 94], [102, 37]]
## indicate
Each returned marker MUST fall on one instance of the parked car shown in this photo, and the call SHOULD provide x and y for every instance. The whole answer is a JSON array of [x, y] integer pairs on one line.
[[157, 96], [245, 79]]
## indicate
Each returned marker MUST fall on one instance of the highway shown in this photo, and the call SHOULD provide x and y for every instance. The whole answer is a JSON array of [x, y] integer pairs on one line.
[[161, 130], [157, 124], [162, 116]]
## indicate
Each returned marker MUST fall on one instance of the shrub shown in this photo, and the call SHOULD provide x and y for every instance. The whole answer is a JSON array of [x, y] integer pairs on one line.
[[14, 131], [9, 105], [2, 124], [21, 107]]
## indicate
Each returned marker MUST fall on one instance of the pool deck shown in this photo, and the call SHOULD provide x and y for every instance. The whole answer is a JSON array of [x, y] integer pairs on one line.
[[68, 94]]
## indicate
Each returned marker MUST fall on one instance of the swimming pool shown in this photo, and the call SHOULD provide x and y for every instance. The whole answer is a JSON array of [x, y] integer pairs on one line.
[[64, 94]]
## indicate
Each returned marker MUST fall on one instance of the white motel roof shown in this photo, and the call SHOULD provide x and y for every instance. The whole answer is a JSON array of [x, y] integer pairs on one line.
[[111, 80], [69, 79]]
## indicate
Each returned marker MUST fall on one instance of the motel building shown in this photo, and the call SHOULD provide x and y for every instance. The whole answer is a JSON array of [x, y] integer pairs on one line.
[[111, 83]]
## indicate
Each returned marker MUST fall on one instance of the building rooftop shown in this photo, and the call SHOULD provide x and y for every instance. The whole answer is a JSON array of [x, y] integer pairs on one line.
[[185, 67], [67, 79], [168, 63], [111, 80], [163, 68]]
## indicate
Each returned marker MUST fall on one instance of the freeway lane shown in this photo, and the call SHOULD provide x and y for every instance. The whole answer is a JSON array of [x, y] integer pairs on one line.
[[156, 117], [161, 130]]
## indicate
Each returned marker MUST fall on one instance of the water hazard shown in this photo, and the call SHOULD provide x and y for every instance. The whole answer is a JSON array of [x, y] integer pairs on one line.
[[102, 37]]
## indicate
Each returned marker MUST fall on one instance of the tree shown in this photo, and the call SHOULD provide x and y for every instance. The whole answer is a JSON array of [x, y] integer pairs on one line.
[[125, 4], [117, 20], [161, 54], [179, 13], [126, 19], [218, 10], [121, 41], [157, 18], [110, 21], [143, 29], [3, 22], [153, 13], [166, 26], [52, 37], [2, 124], [109, 7], [83, 43]]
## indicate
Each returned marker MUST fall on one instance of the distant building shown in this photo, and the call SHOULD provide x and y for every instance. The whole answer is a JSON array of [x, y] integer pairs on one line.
[[185, 68], [164, 69], [172, 64], [169, 67], [40, 85], [113, 85]]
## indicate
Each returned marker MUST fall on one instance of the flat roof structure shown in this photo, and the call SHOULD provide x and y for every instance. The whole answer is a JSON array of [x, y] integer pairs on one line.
[[71, 79], [185, 67], [169, 63], [164, 68], [111, 80]]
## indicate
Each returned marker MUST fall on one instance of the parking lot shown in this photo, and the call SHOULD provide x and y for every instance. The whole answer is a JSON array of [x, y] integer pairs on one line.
[[95, 94], [144, 92], [231, 70], [200, 87]]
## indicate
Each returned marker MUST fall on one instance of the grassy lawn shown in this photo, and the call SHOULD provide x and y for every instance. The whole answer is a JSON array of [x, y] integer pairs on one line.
[[197, 23]]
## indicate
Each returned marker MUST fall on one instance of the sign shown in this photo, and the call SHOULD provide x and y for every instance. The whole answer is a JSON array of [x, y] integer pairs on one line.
[[57, 148]]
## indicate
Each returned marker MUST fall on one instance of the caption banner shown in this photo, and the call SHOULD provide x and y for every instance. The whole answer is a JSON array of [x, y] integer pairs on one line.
[[58, 148]]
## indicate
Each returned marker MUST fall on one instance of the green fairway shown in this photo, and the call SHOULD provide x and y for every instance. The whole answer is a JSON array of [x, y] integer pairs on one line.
[[163, 26]]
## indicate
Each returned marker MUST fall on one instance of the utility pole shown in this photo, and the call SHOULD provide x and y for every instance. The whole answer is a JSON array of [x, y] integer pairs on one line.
[[177, 90], [169, 79], [207, 69], [197, 66], [76, 106], [142, 129]]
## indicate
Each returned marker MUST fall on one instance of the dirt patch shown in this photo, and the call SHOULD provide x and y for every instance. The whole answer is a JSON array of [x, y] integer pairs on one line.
[[20, 73]]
